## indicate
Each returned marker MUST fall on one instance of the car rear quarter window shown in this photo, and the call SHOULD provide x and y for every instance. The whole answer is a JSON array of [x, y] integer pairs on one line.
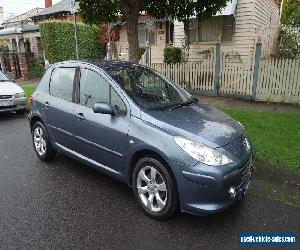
[[61, 84]]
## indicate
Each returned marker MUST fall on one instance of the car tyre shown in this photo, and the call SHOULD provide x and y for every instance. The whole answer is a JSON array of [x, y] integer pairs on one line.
[[155, 188], [41, 143]]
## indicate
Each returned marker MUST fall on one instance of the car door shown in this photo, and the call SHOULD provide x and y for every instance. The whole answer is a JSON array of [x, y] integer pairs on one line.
[[101, 138], [59, 106]]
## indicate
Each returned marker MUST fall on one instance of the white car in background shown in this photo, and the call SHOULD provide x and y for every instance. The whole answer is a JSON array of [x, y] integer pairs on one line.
[[12, 96]]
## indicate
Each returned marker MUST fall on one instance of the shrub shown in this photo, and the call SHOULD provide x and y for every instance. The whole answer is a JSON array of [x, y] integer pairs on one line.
[[172, 55], [58, 39], [142, 51], [35, 67], [4, 49], [289, 46]]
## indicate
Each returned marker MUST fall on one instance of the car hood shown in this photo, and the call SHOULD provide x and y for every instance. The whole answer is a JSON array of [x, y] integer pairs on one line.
[[197, 122], [9, 88]]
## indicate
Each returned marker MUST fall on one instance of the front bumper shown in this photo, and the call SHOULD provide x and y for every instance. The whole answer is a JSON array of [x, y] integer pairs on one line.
[[16, 104], [204, 190]]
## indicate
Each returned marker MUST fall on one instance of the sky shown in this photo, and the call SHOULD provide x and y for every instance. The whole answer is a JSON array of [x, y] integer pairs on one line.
[[16, 7]]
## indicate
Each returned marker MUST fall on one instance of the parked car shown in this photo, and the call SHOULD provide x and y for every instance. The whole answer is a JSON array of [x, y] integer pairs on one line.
[[139, 127], [12, 96]]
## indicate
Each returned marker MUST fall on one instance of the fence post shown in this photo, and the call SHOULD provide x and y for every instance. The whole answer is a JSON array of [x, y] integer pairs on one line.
[[256, 67], [217, 68]]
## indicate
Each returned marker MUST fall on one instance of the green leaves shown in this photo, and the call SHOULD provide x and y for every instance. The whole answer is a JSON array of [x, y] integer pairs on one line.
[[97, 11], [172, 55], [58, 40], [184, 9], [289, 46], [291, 12]]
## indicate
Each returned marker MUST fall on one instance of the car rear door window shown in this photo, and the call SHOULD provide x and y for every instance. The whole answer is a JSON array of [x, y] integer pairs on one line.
[[61, 84], [94, 88]]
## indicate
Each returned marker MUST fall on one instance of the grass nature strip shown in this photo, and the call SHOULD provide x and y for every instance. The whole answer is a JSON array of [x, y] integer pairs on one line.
[[28, 89], [276, 136]]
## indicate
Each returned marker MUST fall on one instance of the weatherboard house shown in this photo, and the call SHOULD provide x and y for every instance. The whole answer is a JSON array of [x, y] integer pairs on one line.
[[237, 26]]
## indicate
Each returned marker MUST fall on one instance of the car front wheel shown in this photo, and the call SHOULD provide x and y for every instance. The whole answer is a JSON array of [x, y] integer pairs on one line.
[[41, 142], [155, 188]]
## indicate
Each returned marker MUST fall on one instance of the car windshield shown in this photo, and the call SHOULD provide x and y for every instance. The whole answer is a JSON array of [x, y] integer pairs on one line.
[[148, 89], [3, 77]]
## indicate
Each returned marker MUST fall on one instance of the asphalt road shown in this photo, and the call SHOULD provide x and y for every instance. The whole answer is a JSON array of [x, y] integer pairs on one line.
[[64, 204]]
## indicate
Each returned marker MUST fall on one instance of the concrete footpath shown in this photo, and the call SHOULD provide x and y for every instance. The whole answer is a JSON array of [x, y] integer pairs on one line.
[[225, 102]]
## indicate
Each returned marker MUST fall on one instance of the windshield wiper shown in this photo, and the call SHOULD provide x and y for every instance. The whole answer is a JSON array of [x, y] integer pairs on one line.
[[187, 103]]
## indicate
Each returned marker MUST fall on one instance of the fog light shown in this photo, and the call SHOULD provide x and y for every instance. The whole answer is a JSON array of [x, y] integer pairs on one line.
[[232, 192]]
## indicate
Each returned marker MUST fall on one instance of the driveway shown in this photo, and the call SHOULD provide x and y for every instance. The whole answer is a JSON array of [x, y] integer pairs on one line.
[[64, 204]]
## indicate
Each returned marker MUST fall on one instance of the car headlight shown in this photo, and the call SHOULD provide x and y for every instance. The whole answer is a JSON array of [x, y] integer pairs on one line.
[[202, 153], [19, 95]]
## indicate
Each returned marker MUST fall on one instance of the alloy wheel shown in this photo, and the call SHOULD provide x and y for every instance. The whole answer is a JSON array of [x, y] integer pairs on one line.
[[152, 189], [39, 141]]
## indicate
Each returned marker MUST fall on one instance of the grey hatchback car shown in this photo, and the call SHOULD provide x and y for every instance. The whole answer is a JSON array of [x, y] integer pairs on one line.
[[139, 127]]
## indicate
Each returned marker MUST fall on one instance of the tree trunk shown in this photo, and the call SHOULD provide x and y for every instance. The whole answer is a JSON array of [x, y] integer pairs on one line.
[[130, 9]]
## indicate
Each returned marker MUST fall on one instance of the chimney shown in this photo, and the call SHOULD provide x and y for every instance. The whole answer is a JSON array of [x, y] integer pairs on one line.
[[48, 3]]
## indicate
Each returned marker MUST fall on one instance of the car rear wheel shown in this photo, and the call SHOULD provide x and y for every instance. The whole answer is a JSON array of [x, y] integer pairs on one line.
[[41, 143], [155, 188]]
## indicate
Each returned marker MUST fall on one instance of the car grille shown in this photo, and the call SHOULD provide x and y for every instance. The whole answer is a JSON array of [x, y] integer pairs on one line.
[[245, 174], [3, 97]]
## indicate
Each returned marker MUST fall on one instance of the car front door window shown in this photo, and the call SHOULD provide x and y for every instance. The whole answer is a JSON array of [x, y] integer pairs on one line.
[[94, 88]]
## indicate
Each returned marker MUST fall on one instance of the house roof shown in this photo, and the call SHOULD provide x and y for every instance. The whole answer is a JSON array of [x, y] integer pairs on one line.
[[11, 31], [230, 9], [30, 28], [23, 17], [60, 7]]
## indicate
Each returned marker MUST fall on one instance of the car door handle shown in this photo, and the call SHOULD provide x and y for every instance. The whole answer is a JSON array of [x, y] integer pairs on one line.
[[47, 104], [80, 116]]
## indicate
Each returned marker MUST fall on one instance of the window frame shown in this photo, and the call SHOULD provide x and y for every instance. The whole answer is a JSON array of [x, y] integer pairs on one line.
[[148, 34], [78, 83], [73, 85], [221, 33]]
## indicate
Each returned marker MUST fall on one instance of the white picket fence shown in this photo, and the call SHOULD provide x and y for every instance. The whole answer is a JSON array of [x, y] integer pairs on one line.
[[279, 81], [191, 75], [236, 76]]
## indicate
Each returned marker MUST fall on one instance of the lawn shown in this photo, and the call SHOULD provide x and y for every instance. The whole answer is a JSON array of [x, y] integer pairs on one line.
[[275, 135], [29, 89]]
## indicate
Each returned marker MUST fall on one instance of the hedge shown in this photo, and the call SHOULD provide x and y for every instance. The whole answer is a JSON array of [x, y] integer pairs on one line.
[[58, 40], [172, 55], [35, 67]]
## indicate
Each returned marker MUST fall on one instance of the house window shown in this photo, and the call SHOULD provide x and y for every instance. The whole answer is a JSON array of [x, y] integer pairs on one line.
[[210, 30], [169, 32], [228, 28], [145, 35], [193, 27]]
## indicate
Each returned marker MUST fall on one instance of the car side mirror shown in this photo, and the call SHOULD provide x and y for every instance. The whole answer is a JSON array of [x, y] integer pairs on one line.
[[104, 108]]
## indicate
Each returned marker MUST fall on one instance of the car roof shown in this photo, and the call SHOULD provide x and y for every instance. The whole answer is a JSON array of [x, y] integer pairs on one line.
[[105, 65]]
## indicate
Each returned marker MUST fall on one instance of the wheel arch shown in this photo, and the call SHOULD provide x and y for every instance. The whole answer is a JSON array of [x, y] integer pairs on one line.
[[34, 119], [142, 153]]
